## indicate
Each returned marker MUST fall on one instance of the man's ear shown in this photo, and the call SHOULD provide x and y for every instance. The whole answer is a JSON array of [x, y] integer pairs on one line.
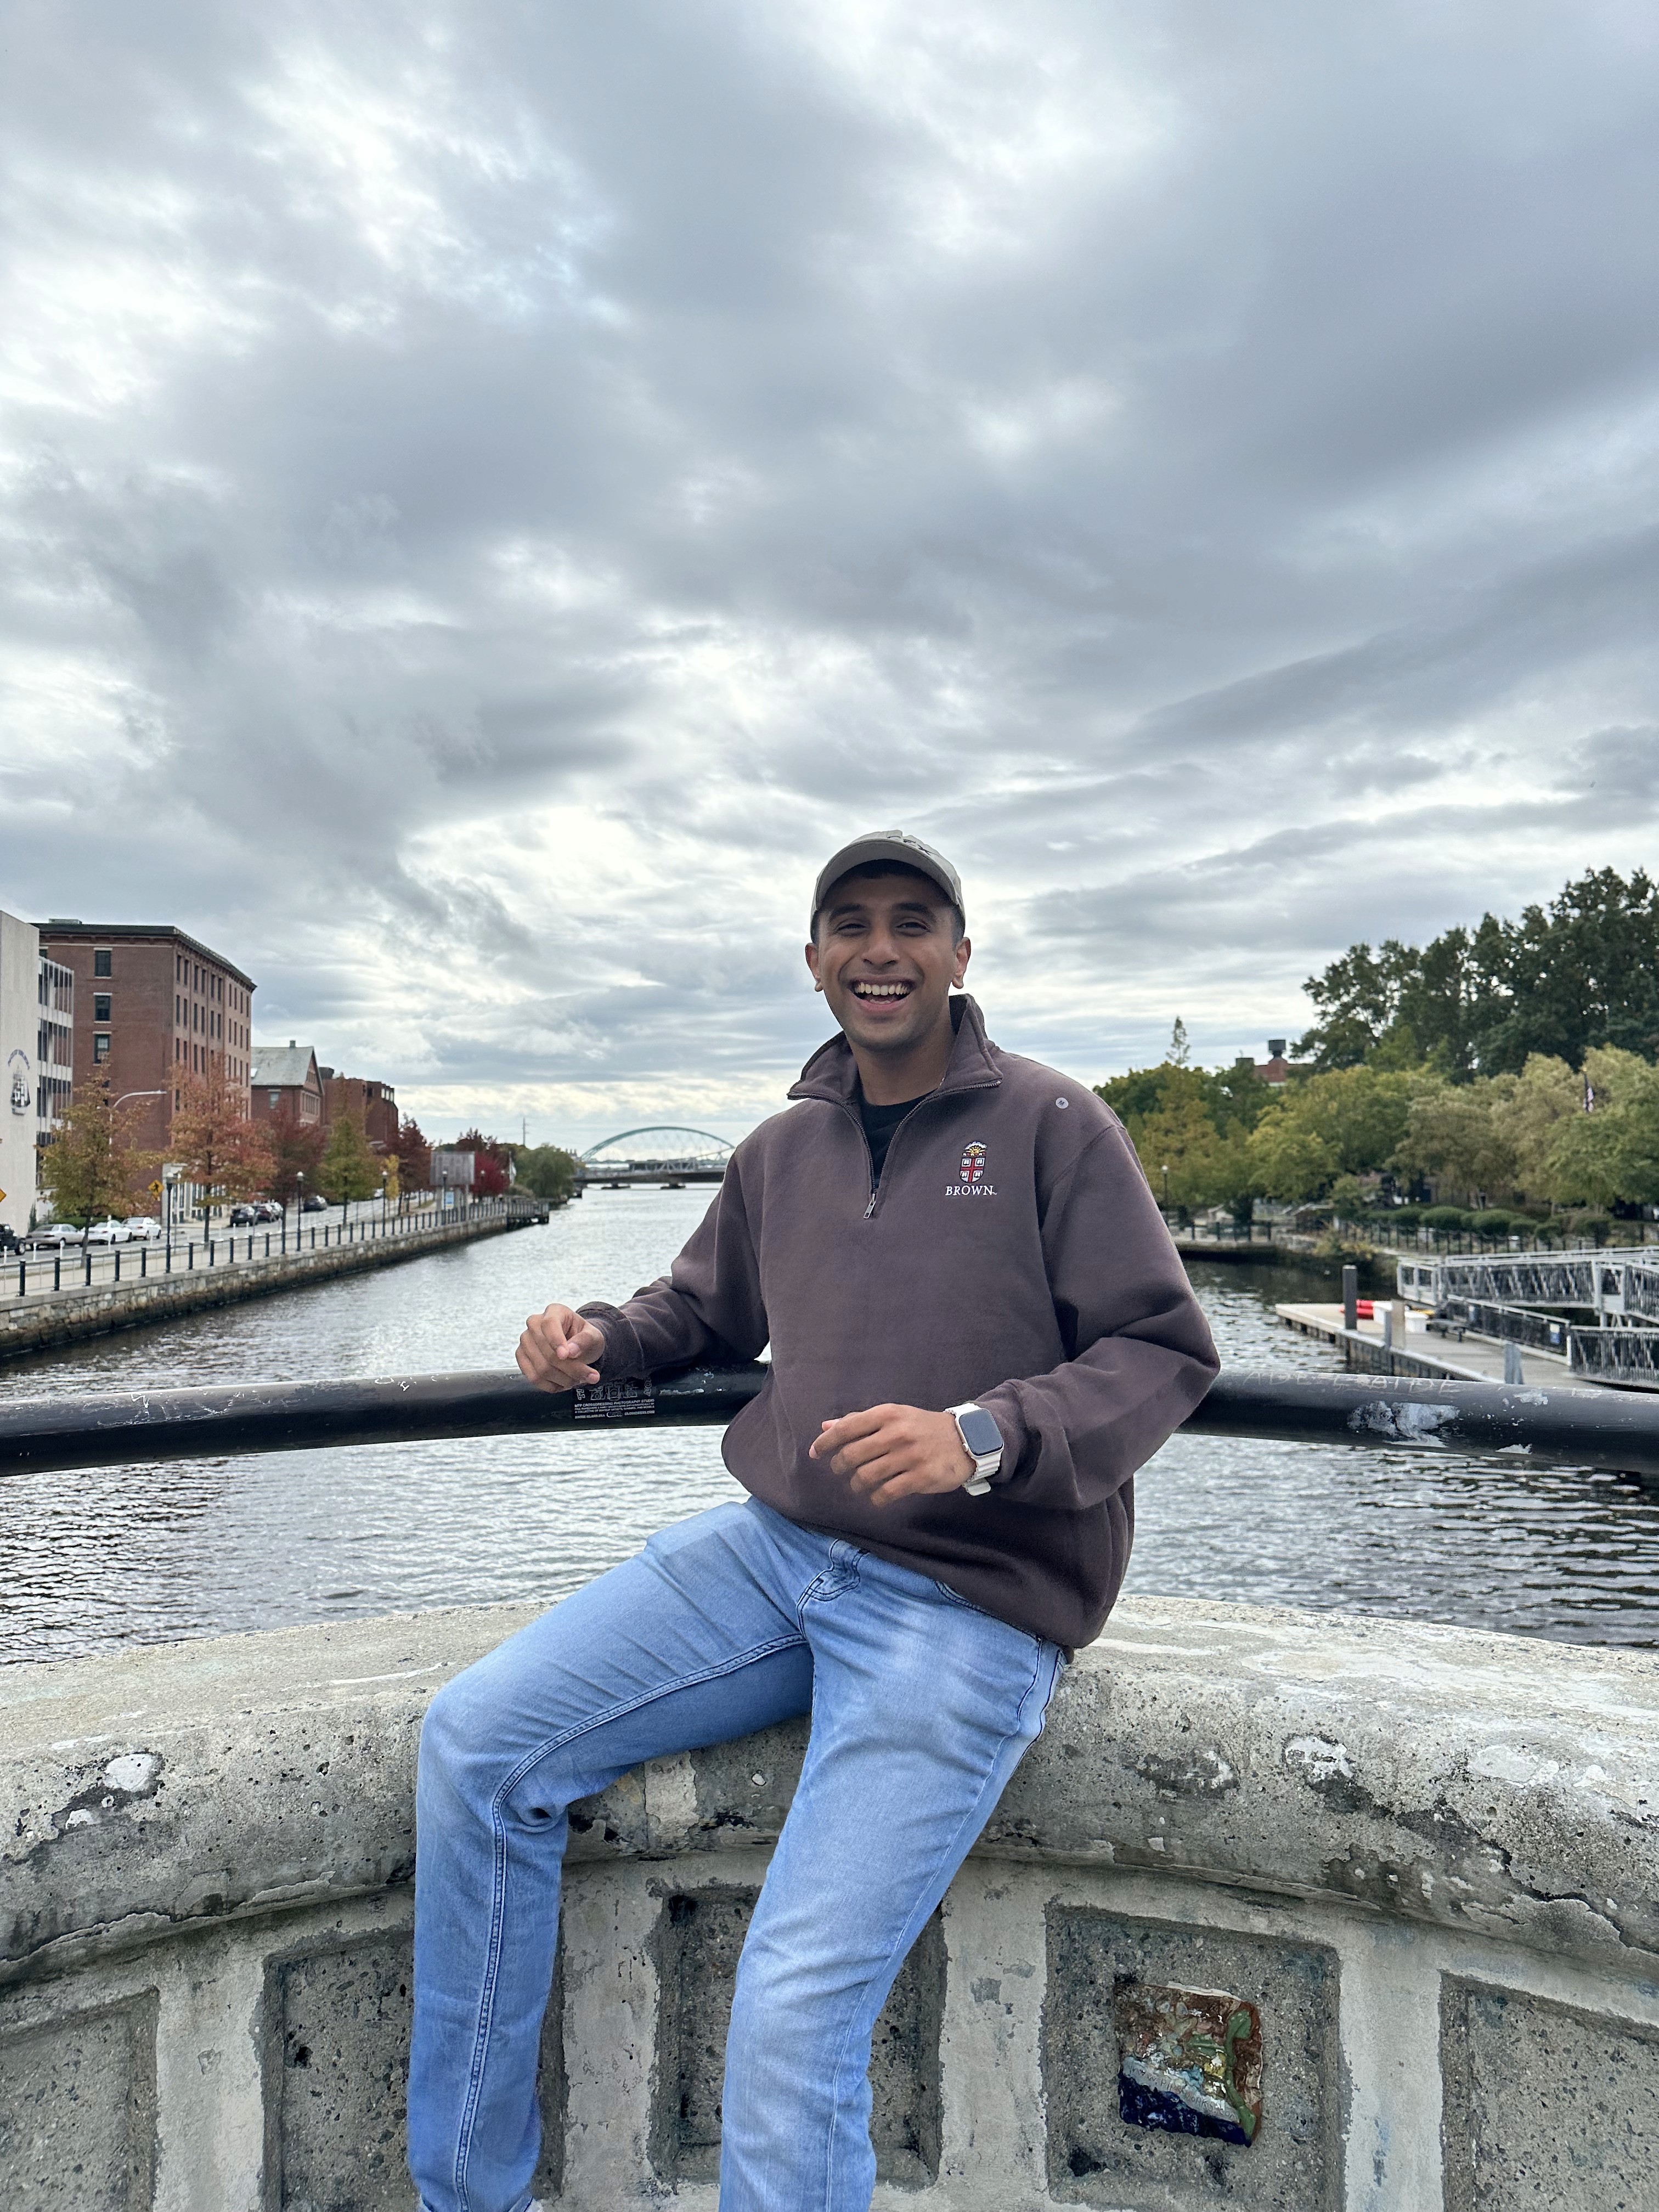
[[964, 954], [812, 963]]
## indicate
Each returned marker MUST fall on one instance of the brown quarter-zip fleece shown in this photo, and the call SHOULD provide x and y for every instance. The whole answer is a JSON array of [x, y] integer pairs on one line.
[[1012, 1254]]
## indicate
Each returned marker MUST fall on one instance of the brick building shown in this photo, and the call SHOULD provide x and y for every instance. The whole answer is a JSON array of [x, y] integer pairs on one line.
[[1276, 1070], [152, 1004], [287, 1088], [373, 1104]]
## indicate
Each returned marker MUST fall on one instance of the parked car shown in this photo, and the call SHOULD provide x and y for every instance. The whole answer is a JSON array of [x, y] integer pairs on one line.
[[316, 1203], [107, 1232], [143, 1228], [53, 1235], [10, 1240], [269, 1209], [244, 1216]]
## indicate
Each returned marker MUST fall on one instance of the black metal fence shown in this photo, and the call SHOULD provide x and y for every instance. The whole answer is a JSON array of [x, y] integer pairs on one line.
[[1599, 1429], [86, 1266]]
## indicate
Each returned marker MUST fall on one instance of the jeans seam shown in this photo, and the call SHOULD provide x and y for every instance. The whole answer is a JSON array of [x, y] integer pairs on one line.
[[498, 1900], [840, 2055]]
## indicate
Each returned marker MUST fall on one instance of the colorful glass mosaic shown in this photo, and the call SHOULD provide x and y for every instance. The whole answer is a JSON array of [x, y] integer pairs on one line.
[[1188, 2060]]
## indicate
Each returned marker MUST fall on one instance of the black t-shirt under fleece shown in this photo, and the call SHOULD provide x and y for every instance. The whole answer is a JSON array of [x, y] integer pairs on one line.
[[880, 1123]]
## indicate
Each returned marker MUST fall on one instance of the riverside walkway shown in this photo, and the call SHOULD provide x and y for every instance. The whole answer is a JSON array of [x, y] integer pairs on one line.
[[59, 1297]]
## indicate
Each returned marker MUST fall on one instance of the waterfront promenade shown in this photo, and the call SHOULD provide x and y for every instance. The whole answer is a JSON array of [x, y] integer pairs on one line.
[[61, 1298]]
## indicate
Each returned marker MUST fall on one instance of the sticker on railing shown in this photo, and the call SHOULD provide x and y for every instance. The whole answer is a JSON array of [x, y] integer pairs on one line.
[[615, 1401]]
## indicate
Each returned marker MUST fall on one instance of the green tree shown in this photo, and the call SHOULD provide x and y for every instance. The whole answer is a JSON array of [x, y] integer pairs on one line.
[[547, 1171], [92, 1168], [1580, 973], [1609, 1156], [1453, 1136], [1527, 1111], [349, 1169], [1347, 1121]]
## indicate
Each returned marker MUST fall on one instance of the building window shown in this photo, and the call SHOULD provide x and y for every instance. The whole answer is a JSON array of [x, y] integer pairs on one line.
[[100, 1050], [100, 961], [100, 1005]]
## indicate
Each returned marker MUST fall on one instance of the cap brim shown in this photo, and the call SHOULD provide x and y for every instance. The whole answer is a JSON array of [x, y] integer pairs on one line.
[[900, 852]]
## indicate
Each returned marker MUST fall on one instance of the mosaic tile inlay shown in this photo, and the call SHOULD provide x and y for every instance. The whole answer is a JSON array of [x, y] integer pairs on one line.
[[1189, 2061]]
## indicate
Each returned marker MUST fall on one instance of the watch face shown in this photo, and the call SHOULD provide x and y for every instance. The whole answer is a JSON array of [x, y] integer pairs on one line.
[[979, 1431]]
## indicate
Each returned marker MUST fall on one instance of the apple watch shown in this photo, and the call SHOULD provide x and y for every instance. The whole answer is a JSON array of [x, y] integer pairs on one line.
[[982, 1440]]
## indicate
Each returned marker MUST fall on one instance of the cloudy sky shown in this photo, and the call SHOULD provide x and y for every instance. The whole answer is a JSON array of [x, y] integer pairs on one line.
[[491, 495]]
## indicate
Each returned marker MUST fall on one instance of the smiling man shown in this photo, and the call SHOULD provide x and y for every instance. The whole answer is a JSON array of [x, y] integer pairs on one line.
[[979, 1330]]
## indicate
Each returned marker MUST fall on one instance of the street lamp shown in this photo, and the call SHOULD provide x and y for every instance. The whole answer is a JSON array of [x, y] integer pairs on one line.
[[298, 1206], [122, 1101], [1166, 1186]]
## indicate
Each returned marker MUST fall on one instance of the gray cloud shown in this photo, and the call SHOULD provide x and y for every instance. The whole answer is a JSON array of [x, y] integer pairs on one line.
[[488, 499]]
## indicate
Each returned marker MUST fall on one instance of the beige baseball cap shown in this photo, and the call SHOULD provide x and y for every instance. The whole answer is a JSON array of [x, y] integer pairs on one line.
[[900, 849]]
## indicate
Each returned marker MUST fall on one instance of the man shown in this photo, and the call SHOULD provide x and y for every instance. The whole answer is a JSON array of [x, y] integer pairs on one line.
[[979, 1330]]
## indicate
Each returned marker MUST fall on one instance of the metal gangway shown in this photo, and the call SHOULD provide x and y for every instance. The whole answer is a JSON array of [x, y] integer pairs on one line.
[[1537, 1299]]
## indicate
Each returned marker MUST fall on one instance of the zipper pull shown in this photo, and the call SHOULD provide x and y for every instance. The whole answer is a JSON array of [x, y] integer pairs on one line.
[[870, 1208]]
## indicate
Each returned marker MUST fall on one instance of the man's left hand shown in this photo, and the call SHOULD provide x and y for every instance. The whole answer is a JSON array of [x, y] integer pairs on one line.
[[889, 1452]]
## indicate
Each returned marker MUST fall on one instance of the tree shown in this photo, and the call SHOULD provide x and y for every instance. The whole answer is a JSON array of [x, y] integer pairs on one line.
[[1454, 1137], [297, 1151], [1563, 980], [91, 1168], [1196, 1124], [547, 1171], [349, 1168], [1609, 1156], [215, 1143], [1527, 1110], [414, 1157], [1179, 1053], [1347, 1121], [492, 1163]]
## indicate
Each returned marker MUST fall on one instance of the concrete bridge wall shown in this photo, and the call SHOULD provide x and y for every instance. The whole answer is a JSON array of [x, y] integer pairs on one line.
[[1429, 1860]]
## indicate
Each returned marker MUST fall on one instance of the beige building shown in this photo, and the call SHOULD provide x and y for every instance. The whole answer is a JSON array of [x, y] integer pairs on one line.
[[20, 973]]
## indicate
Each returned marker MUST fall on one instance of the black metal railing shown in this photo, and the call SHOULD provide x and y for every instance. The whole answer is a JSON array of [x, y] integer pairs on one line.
[[82, 1267], [1608, 1429]]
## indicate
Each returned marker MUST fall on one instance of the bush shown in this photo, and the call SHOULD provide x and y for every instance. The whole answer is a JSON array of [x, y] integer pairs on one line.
[[1446, 1218], [1590, 1227], [1406, 1216], [1495, 1221]]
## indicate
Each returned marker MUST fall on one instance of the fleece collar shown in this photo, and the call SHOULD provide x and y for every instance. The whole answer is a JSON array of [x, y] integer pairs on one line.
[[832, 1072]]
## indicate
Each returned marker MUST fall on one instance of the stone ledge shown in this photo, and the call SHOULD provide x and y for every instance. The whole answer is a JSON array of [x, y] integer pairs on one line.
[[1490, 1785]]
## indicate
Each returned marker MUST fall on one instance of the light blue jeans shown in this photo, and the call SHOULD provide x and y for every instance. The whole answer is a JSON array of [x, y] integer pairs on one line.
[[921, 1708]]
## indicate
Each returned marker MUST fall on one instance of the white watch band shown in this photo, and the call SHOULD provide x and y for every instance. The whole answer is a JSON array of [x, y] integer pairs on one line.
[[986, 1464]]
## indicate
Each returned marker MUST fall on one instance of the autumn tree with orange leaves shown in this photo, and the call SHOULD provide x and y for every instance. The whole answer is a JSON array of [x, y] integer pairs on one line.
[[215, 1143]]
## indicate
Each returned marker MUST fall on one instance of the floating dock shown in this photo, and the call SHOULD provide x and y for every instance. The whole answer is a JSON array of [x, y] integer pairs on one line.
[[1473, 1359]]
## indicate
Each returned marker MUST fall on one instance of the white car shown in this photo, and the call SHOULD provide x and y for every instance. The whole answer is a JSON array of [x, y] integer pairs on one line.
[[144, 1229], [53, 1235], [110, 1232]]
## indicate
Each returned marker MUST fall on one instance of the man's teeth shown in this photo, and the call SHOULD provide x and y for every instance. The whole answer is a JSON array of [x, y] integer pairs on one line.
[[882, 990]]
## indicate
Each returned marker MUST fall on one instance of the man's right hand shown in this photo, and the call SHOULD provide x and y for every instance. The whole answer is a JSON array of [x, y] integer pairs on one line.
[[558, 1348]]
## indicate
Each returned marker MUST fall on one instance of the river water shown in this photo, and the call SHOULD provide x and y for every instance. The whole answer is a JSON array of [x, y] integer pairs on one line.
[[90, 1561]]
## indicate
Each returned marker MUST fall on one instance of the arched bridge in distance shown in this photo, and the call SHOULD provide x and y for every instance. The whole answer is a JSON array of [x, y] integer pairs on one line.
[[665, 1154]]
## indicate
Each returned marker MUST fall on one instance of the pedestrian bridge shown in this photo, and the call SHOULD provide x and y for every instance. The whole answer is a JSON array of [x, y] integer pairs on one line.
[[663, 1152]]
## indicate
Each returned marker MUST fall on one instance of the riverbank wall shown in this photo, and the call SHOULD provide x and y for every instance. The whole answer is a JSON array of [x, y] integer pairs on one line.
[[46, 1318], [1420, 1867]]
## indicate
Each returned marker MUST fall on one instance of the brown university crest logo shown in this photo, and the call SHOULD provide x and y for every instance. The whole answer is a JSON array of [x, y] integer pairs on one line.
[[972, 1172]]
